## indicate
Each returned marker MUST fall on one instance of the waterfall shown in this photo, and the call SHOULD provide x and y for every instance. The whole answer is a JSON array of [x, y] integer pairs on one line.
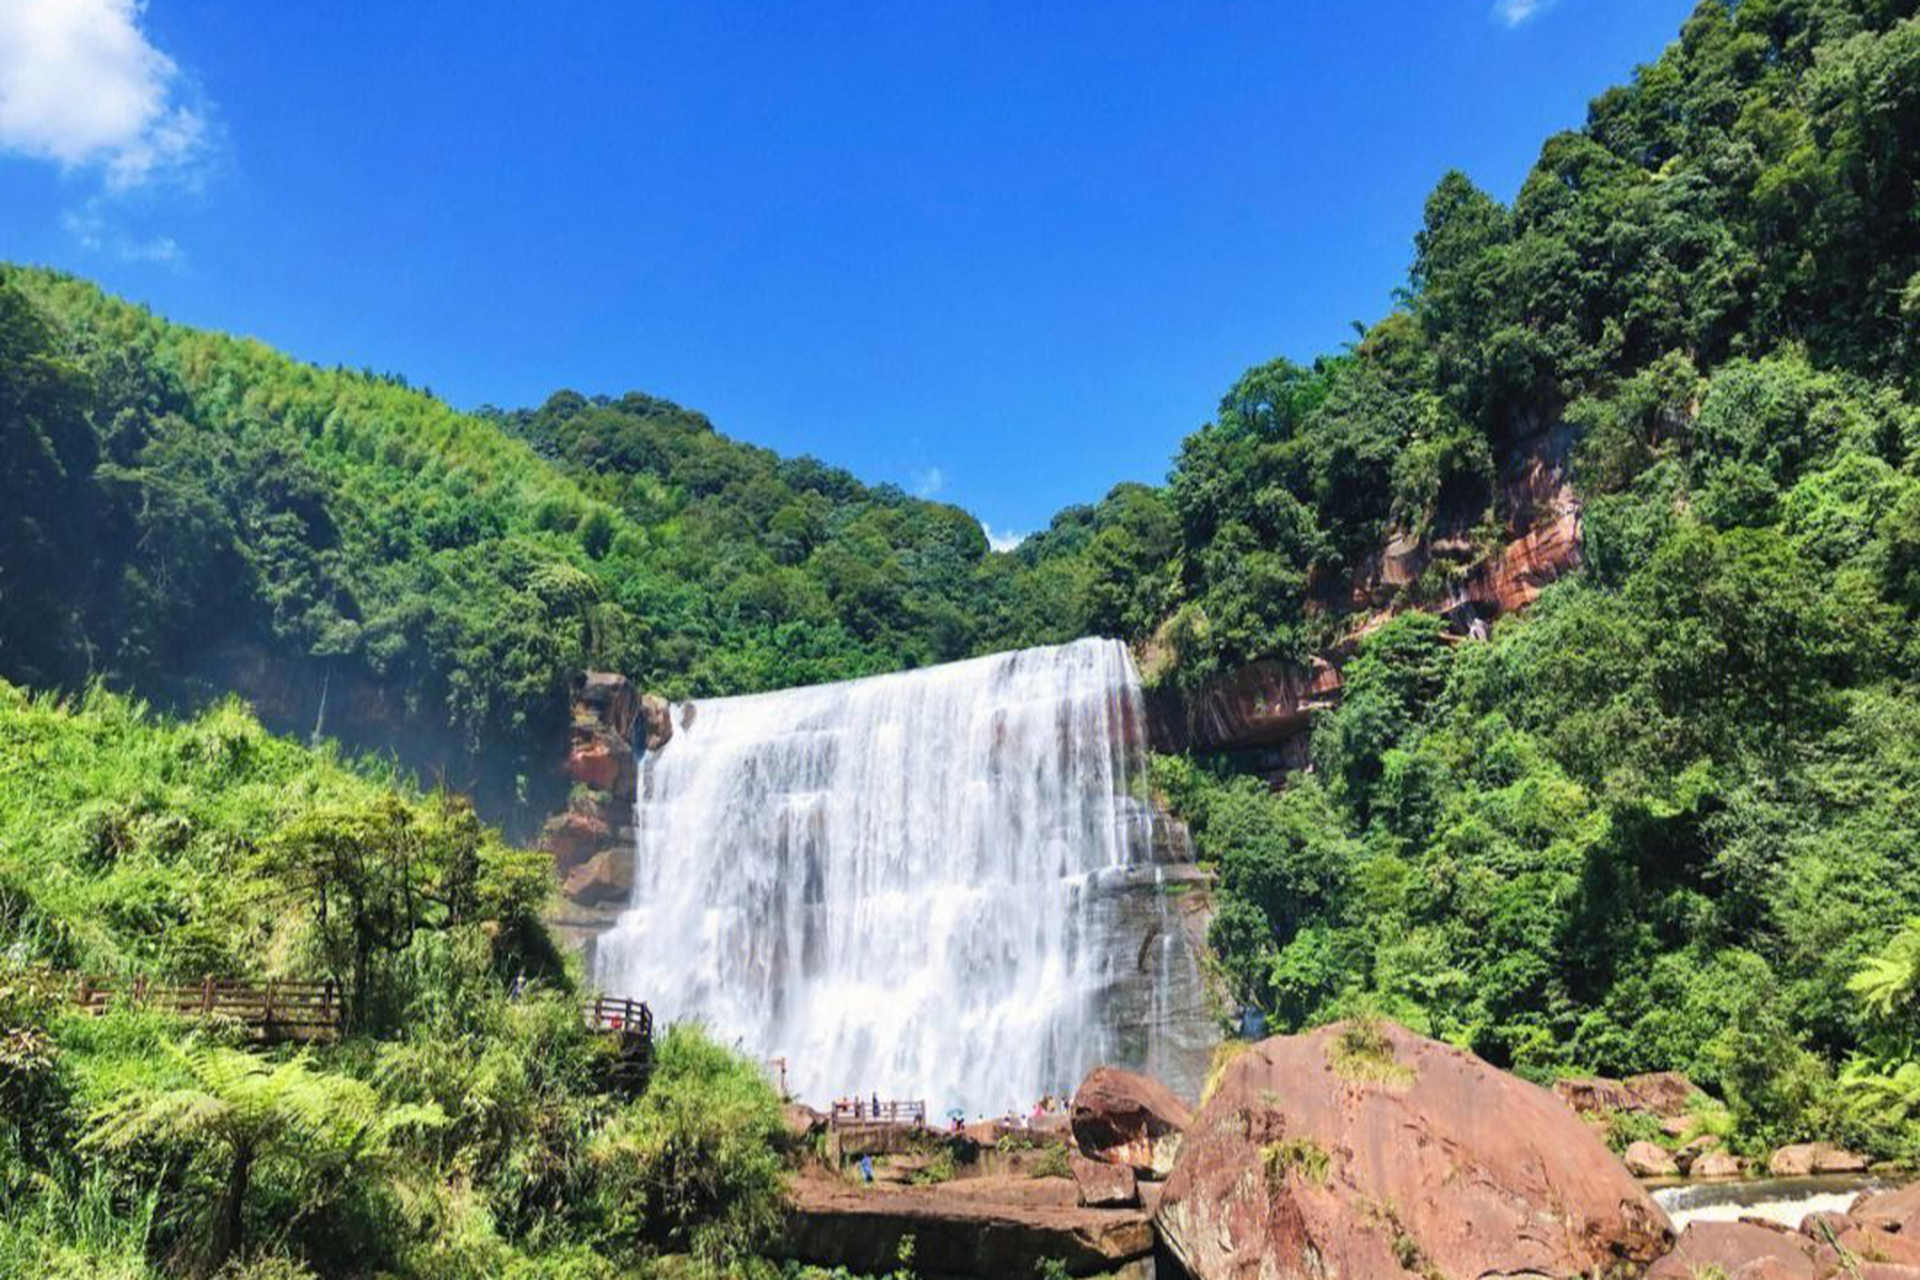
[[902, 885]]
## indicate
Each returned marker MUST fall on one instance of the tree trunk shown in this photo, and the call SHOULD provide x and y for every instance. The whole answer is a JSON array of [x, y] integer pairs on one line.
[[230, 1225]]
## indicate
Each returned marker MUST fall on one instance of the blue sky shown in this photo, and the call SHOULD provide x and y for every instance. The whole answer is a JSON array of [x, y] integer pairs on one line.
[[1003, 253]]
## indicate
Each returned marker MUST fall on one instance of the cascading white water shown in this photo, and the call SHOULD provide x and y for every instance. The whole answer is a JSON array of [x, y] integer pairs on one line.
[[896, 883]]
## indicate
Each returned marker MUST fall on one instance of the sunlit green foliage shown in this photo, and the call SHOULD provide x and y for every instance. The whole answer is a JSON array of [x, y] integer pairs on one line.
[[1666, 819], [195, 513], [469, 1125]]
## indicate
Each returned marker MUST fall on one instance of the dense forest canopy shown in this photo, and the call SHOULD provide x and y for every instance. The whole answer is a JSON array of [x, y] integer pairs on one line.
[[1664, 819], [196, 513]]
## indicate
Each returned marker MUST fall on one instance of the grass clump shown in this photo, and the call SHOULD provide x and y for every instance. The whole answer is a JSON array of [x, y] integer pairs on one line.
[[941, 1168], [1295, 1155], [1361, 1052], [1051, 1163], [1225, 1054]]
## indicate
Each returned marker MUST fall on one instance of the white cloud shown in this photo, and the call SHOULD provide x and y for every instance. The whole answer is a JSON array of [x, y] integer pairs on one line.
[[94, 232], [929, 482], [81, 86], [1517, 12], [1000, 539]]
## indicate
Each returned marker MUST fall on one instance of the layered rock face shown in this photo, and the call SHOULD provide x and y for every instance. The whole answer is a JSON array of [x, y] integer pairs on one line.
[[1260, 704], [1271, 704], [1367, 1151], [999, 1227], [592, 840], [1665, 1094]]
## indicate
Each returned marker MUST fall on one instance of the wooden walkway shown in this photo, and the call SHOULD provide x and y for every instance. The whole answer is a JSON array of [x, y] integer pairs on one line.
[[632, 1021], [861, 1111], [301, 1011], [307, 1012]]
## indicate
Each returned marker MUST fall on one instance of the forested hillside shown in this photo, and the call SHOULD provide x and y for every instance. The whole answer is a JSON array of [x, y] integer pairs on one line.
[[190, 513], [1664, 819]]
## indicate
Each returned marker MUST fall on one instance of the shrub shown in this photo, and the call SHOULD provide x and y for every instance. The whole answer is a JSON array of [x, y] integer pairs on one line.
[[692, 1167]]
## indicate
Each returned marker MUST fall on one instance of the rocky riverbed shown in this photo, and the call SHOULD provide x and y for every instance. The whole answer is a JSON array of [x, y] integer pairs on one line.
[[1360, 1151]]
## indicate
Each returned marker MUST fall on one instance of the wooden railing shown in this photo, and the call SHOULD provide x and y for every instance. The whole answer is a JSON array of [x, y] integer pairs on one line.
[[628, 1017], [308, 1011], [273, 1009], [632, 1021], [862, 1111]]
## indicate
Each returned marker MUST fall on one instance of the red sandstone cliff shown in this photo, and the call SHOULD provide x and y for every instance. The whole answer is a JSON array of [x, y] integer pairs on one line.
[[1271, 704]]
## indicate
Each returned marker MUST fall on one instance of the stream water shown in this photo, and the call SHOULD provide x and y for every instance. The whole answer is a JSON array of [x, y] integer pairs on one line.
[[1782, 1200]]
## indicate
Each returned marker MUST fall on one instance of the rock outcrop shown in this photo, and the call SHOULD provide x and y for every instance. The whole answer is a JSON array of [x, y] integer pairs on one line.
[[1897, 1210], [1001, 1227], [1270, 704], [658, 715], [604, 880], [1749, 1249], [1649, 1160], [1859, 1245], [1803, 1158], [1716, 1164], [1366, 1152], [592, 841], [1666, 1094], [1105, 1186], [1126, 1119], [1259, 704]]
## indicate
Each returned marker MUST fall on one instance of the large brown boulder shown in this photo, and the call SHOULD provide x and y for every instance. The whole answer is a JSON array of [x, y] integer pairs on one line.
[[1716, 1164], [1897, 1210], [1649, 1160], [1734, 1246], [1123, 1118], [802, 1122], [1664, 1093], [1803, 1158], [573, 837], [602, 880], [601, 763], [1752, 1249], [1366, 1152]]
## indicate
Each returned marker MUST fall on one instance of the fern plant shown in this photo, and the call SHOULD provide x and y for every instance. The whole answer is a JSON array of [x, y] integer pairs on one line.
[[241, 1110]]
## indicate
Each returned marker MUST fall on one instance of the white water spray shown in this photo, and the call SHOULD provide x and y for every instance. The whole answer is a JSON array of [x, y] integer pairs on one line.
[[901, 885]]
